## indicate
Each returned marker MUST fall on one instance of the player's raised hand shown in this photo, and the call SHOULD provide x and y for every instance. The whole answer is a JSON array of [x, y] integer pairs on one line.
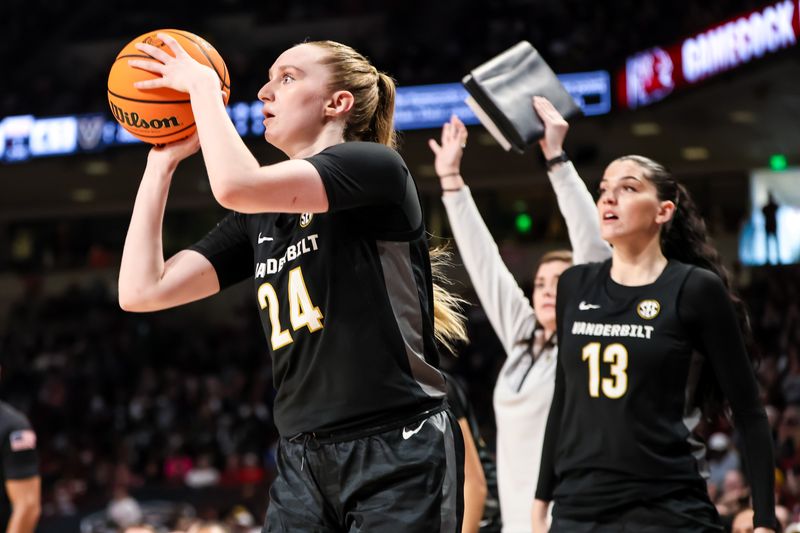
[[181, 72], [555, 127]]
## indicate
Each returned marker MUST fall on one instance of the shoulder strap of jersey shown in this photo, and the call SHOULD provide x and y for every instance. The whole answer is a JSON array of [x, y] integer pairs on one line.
[[679, 271], [572, 282]]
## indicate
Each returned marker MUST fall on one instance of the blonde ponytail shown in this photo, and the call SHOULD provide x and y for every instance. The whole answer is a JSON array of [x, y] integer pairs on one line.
[[382, 126], [449, 322], [372, 116]]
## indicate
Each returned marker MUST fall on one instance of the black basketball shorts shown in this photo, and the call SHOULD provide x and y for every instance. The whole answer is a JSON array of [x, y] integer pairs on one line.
[[408, 478]]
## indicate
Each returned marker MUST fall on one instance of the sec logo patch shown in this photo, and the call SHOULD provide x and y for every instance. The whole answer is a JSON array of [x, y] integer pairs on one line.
[[305, 219], [648, 309]]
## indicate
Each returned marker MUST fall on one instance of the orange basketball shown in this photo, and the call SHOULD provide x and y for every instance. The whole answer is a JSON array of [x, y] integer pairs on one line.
[[158, 116]]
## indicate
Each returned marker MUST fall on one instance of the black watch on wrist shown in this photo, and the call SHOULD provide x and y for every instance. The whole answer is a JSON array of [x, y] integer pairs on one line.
[[560, 158]]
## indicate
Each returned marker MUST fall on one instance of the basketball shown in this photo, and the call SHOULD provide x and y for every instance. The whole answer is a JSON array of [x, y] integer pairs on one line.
[[158, 116]]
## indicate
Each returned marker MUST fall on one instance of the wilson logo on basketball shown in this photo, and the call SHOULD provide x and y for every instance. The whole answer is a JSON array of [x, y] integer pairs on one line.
[[135, 121]]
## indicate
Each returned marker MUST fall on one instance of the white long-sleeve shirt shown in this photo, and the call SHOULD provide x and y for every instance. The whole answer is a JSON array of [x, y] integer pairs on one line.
[[524, 390]]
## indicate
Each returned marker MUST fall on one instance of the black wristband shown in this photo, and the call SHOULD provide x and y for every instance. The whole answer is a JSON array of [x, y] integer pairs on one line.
[[560, 158]]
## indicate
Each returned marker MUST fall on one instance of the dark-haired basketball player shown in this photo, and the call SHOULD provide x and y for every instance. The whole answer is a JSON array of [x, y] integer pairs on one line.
[[649, 341], [525, 326]]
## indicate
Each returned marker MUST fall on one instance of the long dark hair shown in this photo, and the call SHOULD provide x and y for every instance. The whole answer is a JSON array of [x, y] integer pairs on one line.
[[685, 239]]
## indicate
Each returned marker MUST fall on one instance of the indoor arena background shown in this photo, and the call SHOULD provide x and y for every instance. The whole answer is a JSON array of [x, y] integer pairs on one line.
[[169, 413]]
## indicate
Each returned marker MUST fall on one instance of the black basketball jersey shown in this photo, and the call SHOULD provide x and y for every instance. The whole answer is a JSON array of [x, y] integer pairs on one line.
[[624, 411], [345, 297]]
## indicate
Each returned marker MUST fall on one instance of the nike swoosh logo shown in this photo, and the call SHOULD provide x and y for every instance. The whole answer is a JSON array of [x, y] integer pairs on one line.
[[263, 239], [583, 306], [408, 434]]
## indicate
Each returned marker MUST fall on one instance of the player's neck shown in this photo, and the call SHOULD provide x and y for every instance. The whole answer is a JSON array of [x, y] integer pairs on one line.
[[331, 134], [637, 264]]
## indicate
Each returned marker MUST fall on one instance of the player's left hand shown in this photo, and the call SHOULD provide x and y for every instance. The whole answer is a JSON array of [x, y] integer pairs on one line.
[[181, 72], [169, 155]]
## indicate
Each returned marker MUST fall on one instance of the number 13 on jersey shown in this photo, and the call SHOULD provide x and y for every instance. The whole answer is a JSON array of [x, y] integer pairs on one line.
[[302, 311], [617, 355]]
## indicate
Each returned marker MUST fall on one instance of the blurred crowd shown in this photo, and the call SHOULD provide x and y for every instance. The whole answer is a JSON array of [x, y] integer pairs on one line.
[[125, 403], [417, 42], [176, 405], [772, 295], [166, 418]]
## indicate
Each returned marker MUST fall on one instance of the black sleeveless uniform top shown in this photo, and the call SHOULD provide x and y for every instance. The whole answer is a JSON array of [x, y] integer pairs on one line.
[[345, 297], [620, 431]]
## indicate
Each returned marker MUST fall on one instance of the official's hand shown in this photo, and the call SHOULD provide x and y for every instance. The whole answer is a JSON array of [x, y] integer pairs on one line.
[[181, 72], [555, 127], [449, 152]]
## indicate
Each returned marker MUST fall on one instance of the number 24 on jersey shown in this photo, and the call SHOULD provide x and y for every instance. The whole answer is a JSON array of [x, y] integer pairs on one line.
[[302, 311]]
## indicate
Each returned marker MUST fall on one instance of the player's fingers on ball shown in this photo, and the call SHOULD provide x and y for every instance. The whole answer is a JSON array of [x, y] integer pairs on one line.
[[170, 41], [149, 84], [150, 66], [153, 51]]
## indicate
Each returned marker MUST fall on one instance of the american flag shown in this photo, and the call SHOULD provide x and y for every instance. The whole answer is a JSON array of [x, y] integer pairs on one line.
[[23, 439]]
